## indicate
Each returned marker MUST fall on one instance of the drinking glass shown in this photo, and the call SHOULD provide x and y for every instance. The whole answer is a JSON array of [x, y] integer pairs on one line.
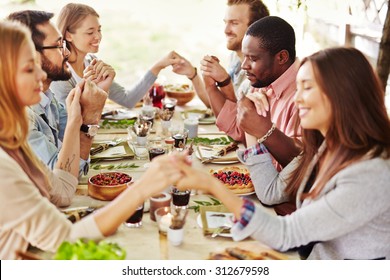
[[180, 199], [180, 137], [135, 220], [156, 148]]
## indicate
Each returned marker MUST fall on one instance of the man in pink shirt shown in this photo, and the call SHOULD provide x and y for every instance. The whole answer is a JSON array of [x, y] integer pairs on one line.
[[268, 115]]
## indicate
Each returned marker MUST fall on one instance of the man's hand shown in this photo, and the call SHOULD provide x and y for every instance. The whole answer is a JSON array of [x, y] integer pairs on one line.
[[211, 68], [92, 102], [251, 122]]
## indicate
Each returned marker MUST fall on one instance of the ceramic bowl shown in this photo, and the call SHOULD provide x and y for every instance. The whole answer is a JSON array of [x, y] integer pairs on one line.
[[182, 93], [108, 185]]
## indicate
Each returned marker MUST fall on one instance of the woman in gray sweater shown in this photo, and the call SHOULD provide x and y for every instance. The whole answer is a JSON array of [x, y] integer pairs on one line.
[[341, 179], [80, 28]]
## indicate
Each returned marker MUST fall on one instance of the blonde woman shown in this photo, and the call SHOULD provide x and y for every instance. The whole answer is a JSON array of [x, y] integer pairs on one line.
[[27, 215]]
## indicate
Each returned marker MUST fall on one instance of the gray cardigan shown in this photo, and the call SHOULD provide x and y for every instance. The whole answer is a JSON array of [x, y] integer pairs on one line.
[[117, 93], [350, 218]]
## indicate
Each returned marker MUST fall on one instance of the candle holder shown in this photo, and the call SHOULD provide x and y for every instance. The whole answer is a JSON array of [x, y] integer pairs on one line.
[[164, 219], [157, 201], [141, 128]]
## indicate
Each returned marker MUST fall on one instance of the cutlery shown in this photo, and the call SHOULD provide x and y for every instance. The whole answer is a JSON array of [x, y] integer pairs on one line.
[[218, 159], [110, 113], [231, 147], [219, 230], [104, 146]]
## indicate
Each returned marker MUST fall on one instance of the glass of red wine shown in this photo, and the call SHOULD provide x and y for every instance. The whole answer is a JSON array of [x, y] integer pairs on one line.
[[180, 199], [135, 220]]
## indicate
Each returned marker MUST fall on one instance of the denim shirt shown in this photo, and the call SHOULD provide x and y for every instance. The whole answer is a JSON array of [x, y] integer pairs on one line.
[[47, 126], [237, 75]]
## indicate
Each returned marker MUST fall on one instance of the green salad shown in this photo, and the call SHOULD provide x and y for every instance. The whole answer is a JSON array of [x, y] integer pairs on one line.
[[89, 250]]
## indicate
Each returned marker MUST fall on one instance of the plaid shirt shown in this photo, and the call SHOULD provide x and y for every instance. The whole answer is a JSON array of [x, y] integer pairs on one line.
[[257, 149], [247, 211]]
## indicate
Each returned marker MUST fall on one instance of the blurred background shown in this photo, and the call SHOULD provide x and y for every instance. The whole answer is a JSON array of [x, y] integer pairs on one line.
[[138, 33]]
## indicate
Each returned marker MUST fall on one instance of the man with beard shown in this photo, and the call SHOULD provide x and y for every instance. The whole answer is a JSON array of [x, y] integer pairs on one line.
[[268, 116], [219, 85], [48, 118]]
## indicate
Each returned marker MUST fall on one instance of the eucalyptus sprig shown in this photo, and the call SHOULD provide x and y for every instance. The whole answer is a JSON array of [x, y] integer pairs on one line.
[[113, 166], [224, 140], [107, 124], [214, 201]]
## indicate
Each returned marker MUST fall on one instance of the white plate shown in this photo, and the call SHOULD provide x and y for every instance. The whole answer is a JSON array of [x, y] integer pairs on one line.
[[246, 194], [200, 115], [206, 153], [199, 221]]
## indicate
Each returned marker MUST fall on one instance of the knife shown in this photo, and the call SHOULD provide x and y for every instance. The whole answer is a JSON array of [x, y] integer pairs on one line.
[[104, 146]]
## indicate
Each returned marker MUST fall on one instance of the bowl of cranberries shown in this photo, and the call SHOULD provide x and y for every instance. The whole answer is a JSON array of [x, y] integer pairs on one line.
[[108, 185]]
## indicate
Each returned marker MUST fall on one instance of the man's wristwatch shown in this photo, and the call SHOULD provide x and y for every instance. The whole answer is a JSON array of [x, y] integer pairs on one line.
[[89, 129]]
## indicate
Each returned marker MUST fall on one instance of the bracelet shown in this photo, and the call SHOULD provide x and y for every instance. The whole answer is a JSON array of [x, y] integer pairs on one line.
[[195, 74], [268, 134], [224, 83]]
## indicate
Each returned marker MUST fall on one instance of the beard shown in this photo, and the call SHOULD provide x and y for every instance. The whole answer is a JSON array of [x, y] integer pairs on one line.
[[55, 73]]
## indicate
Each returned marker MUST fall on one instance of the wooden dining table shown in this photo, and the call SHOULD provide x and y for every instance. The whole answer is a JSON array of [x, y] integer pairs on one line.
[[146, 242]]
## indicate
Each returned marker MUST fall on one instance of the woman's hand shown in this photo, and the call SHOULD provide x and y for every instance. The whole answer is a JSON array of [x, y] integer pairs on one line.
[[191, 178], [170, 59], [161, 174], [259, 98], [102, 74]]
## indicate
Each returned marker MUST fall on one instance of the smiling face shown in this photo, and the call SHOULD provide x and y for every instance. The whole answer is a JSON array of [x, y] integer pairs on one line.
[[261, 67], [29, 76], [314, 106], [236, 23], [87, 36]]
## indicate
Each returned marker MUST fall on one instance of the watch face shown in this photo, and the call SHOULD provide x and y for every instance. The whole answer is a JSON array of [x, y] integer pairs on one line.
[[93, 129]]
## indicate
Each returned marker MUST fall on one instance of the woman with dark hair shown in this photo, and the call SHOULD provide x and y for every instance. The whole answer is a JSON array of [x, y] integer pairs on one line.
[[340, 181]]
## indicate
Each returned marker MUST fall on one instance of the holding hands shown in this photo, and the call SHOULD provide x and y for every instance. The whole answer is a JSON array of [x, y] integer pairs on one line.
[[171, 58], [259, 98], [249, 119], [100, 73]]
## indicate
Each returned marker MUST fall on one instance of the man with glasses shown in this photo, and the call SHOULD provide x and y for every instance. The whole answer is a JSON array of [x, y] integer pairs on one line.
[[48, 118]]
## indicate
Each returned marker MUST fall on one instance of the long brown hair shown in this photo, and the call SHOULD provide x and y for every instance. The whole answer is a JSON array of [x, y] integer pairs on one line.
[[359, 124], [70, 18]]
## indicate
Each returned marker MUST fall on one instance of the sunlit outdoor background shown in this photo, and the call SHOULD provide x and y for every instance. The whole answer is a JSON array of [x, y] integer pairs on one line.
[[138, 33]]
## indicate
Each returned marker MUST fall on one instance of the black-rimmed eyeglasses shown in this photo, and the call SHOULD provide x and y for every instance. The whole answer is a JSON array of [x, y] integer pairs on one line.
[[62, 47]]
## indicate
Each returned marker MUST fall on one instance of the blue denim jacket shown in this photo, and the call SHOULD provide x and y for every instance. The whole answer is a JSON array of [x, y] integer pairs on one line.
[[47, 125]]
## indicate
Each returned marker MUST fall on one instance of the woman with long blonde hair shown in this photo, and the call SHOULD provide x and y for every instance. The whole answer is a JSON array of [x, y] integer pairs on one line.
[[27, 215]]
